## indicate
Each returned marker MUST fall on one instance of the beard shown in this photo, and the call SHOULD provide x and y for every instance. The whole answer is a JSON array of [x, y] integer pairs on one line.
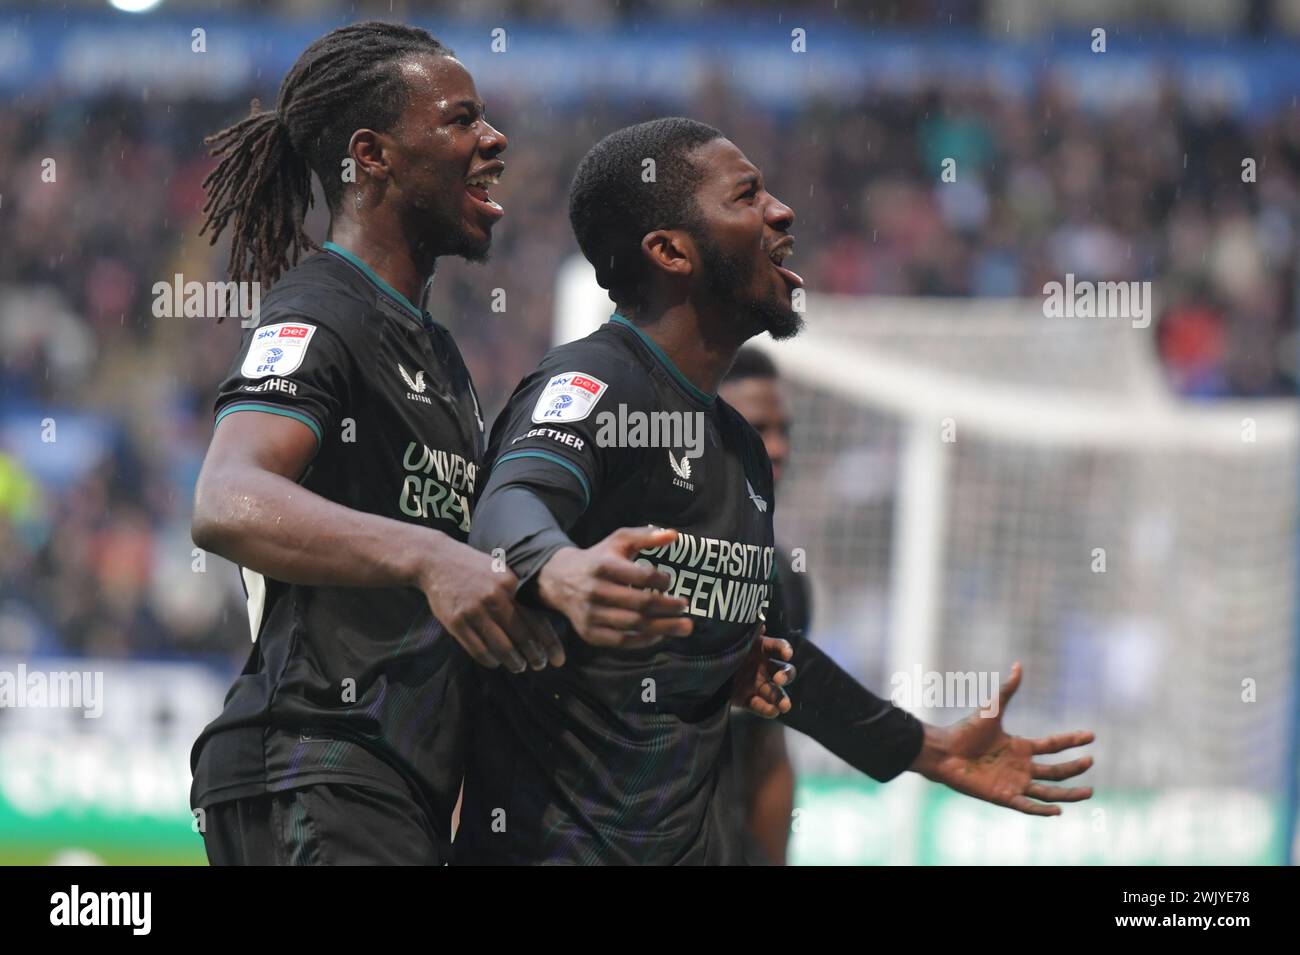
[[446, 231], [727, 279], [470, 248]]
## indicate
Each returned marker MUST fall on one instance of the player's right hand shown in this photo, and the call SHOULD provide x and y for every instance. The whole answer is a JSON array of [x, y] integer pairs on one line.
[[476, 603], [611, 600]]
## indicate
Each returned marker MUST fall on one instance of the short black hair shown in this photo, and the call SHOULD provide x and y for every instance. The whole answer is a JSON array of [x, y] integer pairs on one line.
[[750, 362], [611, 206]]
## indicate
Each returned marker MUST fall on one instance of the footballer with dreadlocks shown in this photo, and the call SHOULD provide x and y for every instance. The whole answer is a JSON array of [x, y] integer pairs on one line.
[[614, 758], [344, 462]]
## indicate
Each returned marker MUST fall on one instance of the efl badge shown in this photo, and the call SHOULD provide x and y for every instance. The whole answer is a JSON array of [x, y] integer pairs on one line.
[[568, 397], [277, 349]]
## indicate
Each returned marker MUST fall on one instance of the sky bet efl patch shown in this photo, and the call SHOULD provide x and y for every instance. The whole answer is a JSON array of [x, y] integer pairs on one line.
[[568, 397], [277, 349]]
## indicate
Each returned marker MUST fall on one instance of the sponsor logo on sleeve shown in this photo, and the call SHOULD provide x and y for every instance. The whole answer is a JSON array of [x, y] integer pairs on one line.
[[563, 437], [568, 397], [277, 350], [282, 385]]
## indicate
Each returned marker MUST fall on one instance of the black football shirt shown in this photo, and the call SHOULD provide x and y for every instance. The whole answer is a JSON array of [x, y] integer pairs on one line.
[[614, 757], [346, 684]]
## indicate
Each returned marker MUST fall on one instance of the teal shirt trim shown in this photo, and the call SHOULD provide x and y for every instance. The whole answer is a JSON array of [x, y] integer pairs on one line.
[[272, 409], [701, 396], [555, 458], [370, 274]]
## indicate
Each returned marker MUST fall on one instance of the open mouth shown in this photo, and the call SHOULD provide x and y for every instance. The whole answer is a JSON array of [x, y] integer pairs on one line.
[[777, 255], [478, 185]]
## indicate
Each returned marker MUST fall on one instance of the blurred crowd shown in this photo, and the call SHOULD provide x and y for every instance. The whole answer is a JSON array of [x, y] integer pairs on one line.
[[107, 409]]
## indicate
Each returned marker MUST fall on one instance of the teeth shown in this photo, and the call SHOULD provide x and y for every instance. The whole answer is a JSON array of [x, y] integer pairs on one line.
[[485, 179], [778, 255]]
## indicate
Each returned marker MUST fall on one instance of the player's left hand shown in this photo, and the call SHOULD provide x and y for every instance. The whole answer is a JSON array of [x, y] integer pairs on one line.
[[978, 758], [761, 681]]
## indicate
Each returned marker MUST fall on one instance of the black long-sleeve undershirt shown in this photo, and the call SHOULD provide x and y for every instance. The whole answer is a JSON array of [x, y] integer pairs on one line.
[[529, 522], [870, 734]]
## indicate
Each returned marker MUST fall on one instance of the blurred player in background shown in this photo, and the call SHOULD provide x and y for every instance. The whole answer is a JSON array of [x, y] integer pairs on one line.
[[616, 757], [762, 776], [344, 461]]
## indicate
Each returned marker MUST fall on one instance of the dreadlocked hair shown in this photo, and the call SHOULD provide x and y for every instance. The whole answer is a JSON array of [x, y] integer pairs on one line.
[[347, 80]]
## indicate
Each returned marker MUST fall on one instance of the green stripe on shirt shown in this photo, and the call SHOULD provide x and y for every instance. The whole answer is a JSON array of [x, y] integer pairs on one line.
[[273, 409], [548, 456]]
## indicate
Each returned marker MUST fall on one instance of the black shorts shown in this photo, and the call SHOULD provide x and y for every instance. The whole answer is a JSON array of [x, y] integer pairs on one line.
[[324, 824]]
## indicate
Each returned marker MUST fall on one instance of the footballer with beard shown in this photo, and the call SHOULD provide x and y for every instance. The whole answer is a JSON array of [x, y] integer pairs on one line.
[[344, 462], [615, 758]]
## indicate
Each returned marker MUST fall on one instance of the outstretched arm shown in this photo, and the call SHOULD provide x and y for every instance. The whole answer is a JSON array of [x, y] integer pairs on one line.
[[978, 758], [975, 756]]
